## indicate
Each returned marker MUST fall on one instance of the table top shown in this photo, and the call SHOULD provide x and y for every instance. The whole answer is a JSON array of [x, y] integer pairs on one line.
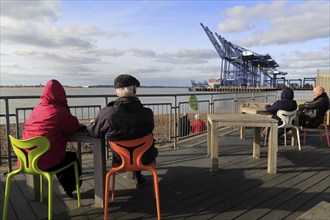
[[240, 118], [255, 108], [256, 104], [82, 136]]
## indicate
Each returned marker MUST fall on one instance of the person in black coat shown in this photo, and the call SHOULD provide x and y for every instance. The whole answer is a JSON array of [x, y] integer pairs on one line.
[[286, 103], [312, 113], [184, 125], [124, 119]]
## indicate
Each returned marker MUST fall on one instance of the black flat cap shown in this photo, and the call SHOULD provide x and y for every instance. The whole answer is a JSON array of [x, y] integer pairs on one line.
[[125, 80]]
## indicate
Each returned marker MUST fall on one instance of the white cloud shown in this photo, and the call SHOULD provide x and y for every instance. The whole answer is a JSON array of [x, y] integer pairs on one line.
[[147, 69], [283, 23], [24, 11], [188, 56]]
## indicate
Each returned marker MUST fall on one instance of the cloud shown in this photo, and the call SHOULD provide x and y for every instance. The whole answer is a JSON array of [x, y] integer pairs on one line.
[[143, 53], [188, 56], [35, 24], [300, 64], [26, 11], [310, 59], [147, 69], [279, 22]]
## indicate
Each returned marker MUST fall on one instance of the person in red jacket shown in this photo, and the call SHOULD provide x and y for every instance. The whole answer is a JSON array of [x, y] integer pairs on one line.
[[52, 118], [198, 125]]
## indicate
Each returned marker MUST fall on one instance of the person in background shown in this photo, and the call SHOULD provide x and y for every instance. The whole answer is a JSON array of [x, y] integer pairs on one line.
[[184, 125], [286, 103], [52, 118], [124, 119], [312, 113], [198, 125]]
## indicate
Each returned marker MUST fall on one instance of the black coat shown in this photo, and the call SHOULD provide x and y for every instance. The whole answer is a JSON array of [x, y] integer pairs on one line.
[[286, 103], [123, 119], [312, 113]]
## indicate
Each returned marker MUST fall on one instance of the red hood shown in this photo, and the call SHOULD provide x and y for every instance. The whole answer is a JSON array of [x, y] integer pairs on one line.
[[54, 93]]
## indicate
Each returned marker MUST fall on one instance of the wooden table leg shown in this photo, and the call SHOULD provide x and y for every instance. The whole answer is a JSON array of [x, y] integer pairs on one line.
[[99, 172], [214, 147], [33, 186], [256, 143], [242, 132], [272, 149]]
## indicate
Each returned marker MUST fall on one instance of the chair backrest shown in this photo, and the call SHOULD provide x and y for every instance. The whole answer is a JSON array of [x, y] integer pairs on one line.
[[131, 151], [29, 151], [286, 117]]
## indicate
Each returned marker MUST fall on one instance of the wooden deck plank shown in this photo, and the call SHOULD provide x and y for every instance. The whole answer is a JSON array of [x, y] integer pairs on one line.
[[11, 211], [22, 208], [241, 188], [296, 201]]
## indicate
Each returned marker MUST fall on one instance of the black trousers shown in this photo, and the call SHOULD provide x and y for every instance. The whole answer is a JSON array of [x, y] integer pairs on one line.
[[149, 156], [67, 177]]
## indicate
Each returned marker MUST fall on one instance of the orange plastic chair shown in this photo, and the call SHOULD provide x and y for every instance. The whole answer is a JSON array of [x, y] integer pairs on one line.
[[131, 152], [325, 126]]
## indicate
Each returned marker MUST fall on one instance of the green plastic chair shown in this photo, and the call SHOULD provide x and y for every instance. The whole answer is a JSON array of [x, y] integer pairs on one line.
[[29, 165]]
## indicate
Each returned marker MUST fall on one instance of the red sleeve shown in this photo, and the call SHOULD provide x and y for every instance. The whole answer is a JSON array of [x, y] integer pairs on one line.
[[69, 123]]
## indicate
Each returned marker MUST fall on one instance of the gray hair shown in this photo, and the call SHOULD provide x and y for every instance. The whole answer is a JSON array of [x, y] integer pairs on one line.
[[126, 91]]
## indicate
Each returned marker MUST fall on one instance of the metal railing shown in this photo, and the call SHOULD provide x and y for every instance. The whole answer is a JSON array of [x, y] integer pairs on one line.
[[167, 108]]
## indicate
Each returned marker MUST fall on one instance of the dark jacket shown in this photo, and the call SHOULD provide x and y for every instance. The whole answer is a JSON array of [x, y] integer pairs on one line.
[[184, 126], [123, 119], [312, 113], [286, 103]]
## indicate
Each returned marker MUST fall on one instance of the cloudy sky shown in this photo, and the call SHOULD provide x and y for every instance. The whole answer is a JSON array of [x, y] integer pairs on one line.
[[159, 42]]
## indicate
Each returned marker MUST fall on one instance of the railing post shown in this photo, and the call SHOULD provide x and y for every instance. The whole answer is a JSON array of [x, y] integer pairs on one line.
[[176, 107], [211, 105], [10, 168], [17, 123], [235, 103]]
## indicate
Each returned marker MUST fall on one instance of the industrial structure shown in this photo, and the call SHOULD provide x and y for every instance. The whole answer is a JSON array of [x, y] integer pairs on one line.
[[241, 67]]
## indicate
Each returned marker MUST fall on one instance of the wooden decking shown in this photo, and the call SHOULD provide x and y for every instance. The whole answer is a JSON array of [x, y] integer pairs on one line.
[[242, 189]]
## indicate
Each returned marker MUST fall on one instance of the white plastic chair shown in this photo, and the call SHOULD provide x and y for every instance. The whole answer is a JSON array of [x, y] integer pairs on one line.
[[287, 122]]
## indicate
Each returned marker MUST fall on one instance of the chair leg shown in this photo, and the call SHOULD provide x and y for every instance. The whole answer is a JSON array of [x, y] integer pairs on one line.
[[106, 196], [266, 134], [50, 195], [106, 192], [326, 130], [6, 199], [327, 135], [41, 188], [156, 189], [284, 136], [77, 182], [113, 187], [298, 137], [304, 136]]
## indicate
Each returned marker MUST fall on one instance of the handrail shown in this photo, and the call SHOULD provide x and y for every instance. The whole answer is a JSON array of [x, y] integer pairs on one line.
[[173, 107]]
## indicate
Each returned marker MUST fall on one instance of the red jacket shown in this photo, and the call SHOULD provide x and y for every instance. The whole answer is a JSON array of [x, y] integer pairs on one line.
[[52, 118], [198, 126]]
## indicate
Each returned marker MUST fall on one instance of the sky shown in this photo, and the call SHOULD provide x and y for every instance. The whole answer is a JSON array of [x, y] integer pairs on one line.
[[161, 43]]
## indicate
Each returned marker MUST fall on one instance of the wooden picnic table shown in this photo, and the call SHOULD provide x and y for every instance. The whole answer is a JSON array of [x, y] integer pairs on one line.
[[242, 120]]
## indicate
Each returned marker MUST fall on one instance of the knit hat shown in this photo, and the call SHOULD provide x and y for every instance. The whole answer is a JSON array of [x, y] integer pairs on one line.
[[125, 80]]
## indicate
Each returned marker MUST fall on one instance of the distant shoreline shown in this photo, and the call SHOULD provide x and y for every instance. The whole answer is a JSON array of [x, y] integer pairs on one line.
[[91, 86]]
